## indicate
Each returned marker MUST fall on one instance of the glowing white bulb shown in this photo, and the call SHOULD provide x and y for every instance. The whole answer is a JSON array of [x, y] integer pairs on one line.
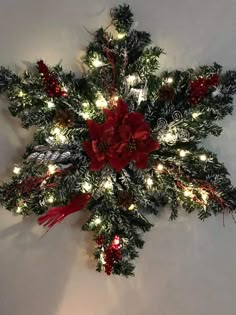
[[65, 89], [86, 186], [182, 153], [170, 80], [188, 193], [50, 104], [204, 196], [131, 79], [85, 104], [116, 240], [56, 131], [160, 167], [21, 94], [195, 115], [16, 170], [97, 63], [108, 184], [203, 157], [97, 221], [102, 259], [19, 210], [50, 199], [121, 35], [149, 182], [85, 115], [101, 102], [52, 168], [132, 207], [62, 138]]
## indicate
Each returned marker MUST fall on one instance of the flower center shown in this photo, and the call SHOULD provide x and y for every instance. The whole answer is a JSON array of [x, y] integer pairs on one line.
[[132, 145], [102, 146]]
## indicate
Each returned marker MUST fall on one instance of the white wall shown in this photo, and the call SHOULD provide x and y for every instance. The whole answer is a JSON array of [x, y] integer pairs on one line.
[[187, 267]]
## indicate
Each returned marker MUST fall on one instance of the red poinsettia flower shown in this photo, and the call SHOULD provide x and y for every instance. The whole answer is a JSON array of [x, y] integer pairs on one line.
[[122, 138], [99, 148], [133, 132]]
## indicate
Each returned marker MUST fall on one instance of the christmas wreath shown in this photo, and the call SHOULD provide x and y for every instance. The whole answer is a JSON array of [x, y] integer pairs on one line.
[[121, 141]]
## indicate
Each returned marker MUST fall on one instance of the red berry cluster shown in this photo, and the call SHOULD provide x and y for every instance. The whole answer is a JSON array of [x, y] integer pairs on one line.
[[112, 253], [52, 86], [199, 88]]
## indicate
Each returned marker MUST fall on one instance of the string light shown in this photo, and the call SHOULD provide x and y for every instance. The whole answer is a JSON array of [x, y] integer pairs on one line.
[[188, 193], [21, 94], [116, 240], [19, 210], [85, 115], [85, 104], [101, 102], [52, 169], [97, 221], [170, 80], [131, 79], [56, 131], [195, 115], [16, 170], [182, 153], [86, 186], [160, 167], [62, 138], [132, 207], [203, 157], [149, 182], [50, 199], [108, 184], [50, 104], [97, 63], [121, 35]]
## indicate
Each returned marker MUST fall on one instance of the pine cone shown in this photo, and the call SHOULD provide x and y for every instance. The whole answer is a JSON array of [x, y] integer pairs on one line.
[[166, 93], [65, 118]]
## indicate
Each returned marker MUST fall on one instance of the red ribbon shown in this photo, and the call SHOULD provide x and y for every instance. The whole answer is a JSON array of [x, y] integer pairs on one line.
[[56, 214]]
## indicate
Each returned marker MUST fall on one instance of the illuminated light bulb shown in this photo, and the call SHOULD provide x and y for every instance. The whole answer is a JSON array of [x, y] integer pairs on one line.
[[50, 199], [97, 63], [102, 259], [52, 168], [85, 115], [204, 196], [108, 184], [116, 240], [182, 153], [21, 94], [149, 182], [131, 79], [132, 207], [160, 167], [65, 89], [101, 102], [170, 80], [56, 131], [86, 186], [97, 221], [85, 104], [196, 115], [203, 157], [62, 138], [121, 35], [16, 170], [50, 104], [116, 98], [188, 193], [19, 210]]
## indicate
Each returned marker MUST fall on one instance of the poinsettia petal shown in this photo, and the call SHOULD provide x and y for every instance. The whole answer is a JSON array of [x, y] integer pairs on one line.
[[121, 109], [125, 132], [96, 165], [95, 129], [141, 160], [118, 163], [135, 119], [147, 146], [87, 146]]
